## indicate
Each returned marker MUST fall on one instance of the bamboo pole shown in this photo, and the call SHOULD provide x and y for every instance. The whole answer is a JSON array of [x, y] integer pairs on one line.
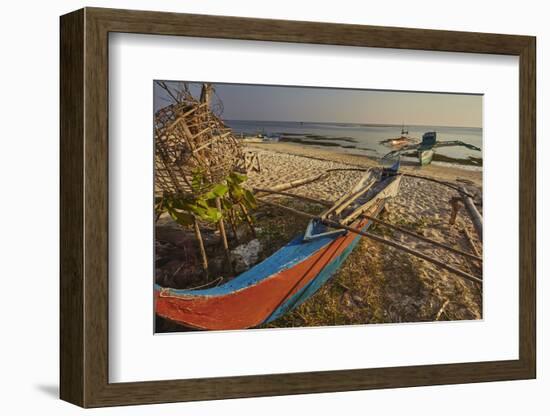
[[479, 264], [421, 237], [211, 141], [475, 216], [305, 198], [182, 117], [298, 182], [232, 222], [460, 190], [198, 237], [441, 310], [304, 181], [223, 235], [248, 219], [381, 240], [454, 209], [471, 241]]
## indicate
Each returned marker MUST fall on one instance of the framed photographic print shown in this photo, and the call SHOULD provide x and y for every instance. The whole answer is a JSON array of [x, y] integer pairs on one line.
[[256, 207]]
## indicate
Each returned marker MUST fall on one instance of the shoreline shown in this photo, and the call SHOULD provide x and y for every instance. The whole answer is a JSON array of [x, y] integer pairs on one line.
[[437, 171]]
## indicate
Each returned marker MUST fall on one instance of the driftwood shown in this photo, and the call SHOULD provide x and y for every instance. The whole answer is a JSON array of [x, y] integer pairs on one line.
[[337, 225], [475, 216]]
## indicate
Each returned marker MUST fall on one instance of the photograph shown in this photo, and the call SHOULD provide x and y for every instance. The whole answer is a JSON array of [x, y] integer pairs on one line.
[[279, 206]]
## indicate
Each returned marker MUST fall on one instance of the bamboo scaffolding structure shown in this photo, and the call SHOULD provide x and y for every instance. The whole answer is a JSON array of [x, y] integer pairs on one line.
[[334, 224], [212, 141], [183, 116]]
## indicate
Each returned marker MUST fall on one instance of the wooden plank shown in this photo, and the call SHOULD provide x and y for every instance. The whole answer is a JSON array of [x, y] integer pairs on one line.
[[388, 192], [350, 196], [71, 218], [354, 197]]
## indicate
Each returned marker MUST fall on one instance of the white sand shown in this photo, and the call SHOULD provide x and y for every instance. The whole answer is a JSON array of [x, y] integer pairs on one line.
[[421, 205]]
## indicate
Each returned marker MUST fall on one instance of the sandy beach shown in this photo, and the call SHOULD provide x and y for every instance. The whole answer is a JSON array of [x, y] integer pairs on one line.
[[234, 244], [391, 286]]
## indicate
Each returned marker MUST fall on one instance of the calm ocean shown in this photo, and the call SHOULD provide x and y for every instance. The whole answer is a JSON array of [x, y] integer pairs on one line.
[[359, 138]]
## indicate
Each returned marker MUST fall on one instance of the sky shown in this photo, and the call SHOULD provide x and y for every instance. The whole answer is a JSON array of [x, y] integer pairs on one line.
[[307, 104]]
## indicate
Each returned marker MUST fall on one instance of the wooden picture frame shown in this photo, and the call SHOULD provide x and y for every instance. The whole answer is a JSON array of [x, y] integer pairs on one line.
[[84, 207]]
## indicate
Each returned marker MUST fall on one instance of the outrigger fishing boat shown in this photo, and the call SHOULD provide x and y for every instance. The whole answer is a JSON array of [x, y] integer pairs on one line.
[[425, 149], [292, 274], [398, 142]]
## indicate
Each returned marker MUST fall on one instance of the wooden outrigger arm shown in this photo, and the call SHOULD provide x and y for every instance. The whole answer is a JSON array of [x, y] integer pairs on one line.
[[334, 224]]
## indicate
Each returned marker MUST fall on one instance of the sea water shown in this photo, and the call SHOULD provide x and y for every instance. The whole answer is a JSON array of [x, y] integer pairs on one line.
[[364, 139]]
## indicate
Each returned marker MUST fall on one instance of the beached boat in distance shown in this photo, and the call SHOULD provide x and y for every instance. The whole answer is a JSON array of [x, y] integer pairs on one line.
[[291, 275], [424, 149], [398, 142]]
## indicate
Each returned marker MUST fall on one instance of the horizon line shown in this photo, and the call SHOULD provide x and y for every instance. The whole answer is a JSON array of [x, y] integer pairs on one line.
[[358, 123]]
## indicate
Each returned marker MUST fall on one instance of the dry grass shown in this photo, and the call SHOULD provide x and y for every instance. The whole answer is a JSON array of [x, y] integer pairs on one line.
[[379, 284]]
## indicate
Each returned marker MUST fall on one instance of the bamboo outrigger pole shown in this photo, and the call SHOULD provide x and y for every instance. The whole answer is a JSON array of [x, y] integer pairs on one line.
[[475, 216], [289, 194], [461, 190], [381, 240], [421, 237]]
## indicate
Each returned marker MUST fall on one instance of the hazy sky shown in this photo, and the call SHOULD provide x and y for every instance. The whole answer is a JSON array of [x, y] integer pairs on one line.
[[275, 103]]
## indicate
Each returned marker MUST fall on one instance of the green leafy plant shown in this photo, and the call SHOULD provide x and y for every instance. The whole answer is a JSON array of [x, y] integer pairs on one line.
[[237, 194], [202, 203]]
